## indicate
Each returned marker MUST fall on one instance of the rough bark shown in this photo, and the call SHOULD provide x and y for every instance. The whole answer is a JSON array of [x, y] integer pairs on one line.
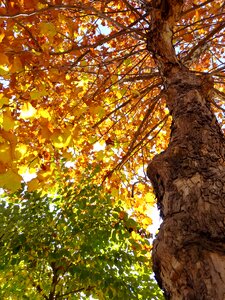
[[188, 178]]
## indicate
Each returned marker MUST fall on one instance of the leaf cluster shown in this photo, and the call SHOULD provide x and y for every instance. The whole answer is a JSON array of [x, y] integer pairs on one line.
[[72, 245]]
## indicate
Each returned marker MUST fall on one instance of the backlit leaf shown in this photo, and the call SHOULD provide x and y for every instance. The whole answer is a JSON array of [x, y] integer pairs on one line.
[[8, 121], [33, 185], [48, 29], [5, 153], [61, 139], [10, 180], [27, 111], [17, 65], [3, 59]]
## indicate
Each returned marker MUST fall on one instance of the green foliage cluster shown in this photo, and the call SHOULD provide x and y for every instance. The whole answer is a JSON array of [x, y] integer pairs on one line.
[[71, 245]]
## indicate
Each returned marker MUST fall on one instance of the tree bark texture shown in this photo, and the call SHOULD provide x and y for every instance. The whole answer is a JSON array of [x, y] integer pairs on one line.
[[188, 178]]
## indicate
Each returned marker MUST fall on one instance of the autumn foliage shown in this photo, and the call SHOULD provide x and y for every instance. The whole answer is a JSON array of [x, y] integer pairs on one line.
[[79, 85], [80, 89]]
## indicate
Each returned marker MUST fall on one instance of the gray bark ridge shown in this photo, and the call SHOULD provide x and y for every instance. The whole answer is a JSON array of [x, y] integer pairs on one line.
[[188, 179]]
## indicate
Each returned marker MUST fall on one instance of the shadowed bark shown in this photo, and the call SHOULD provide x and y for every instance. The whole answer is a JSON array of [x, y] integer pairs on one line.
[[188, 178]]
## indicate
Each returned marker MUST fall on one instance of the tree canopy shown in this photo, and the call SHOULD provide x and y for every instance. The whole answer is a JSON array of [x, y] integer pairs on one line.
[[79, 84], [80, 87], [73, 244]]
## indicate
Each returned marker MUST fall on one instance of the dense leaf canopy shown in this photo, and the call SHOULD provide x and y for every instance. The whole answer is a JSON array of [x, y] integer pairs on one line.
[[80, 88], [78, 83], [72, 244]]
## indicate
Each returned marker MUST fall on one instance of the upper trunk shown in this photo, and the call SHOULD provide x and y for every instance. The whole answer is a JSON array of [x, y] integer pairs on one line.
[[188, 179]]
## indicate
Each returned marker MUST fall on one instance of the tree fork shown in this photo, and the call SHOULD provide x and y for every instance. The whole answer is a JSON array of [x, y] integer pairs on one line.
[[188, 178]]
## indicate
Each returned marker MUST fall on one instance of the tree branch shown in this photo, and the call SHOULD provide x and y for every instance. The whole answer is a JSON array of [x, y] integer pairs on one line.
[[89, 288], [203, 41], [39, 49], [195, 7], [130, 152]]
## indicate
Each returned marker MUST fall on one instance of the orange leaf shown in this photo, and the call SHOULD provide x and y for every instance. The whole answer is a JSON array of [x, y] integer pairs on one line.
[[188, 37]]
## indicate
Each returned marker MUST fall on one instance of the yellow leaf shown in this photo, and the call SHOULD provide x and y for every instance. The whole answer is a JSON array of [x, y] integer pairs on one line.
[[97, 110], [2, 35], [20, 151], [61, 139], [22, 169], [44, 113], [35, 95], [150, 198], [135, 235], [100, 155], [5, 153], [48, 29], [68, 155], [4, 64], [146, 221], [10, 180], [8, 121], [27, 111], [8, 136], [36, 52], [197, 15], [114, 192], [43, 175], [33, 185], [3, 100], [114, 78]]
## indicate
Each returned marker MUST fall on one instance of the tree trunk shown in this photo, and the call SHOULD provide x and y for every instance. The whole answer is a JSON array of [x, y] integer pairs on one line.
[[188, 178]]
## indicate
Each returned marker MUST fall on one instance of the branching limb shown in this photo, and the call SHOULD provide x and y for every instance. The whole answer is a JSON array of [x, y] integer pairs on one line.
[[204, 41]]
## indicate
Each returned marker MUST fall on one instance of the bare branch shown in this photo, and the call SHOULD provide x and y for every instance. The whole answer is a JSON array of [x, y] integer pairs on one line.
[[141, 77], [136, 147], [140, 128]]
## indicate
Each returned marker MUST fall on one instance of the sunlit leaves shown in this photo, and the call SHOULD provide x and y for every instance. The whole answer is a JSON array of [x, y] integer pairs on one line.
[[33, 185], [48, 29], [27, 111], [10, 180], [3, 100], [4, 64], [21, 150], [79, 87], [8, 120], [4, 60], [70, 88], [61, 138], [5, 152], [17, 65]]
